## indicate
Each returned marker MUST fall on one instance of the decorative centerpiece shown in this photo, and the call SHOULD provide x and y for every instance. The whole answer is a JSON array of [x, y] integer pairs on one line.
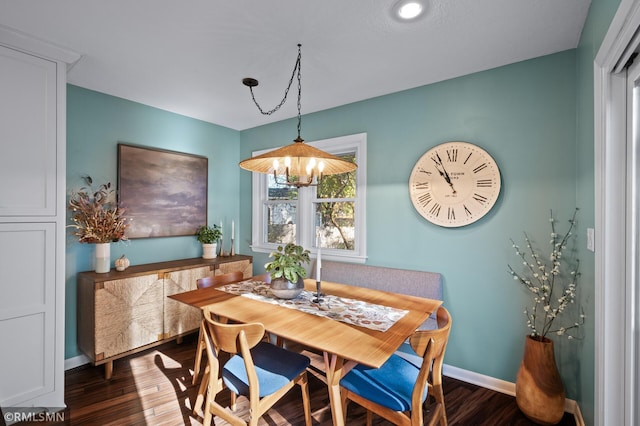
[[209, 236], [552, 280], [286, 270], [97, 219]]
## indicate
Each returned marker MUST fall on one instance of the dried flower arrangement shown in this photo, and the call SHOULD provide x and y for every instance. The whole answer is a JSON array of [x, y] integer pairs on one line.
[[553, 284], [96, 216]]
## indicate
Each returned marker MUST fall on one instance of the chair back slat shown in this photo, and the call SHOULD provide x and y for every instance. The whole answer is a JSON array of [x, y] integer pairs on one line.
[[420, 339], [228, 278], [266, 278], [226, 337]]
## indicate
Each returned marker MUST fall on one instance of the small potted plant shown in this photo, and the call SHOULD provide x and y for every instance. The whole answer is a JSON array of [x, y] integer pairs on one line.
[[209, 236], [287, 270]]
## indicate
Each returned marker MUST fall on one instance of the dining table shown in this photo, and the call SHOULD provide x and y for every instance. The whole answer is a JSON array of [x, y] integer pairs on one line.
[[343, 344]]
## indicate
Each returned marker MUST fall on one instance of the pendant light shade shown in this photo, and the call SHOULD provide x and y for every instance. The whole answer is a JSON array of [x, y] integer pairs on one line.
[[300, 164], [300, 160]]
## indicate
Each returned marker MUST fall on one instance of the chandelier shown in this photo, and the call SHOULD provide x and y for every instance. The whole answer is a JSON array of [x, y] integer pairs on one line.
[[298, 163]]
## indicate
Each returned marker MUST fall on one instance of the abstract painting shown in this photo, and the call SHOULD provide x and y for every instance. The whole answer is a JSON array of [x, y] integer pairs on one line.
[[164, 193]]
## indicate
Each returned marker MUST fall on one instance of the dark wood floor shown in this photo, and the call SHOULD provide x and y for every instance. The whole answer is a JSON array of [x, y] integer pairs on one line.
[[154, 388]]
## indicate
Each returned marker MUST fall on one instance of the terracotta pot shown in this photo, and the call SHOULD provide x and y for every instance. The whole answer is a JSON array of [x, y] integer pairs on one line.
[[285, 289], [539, 389]]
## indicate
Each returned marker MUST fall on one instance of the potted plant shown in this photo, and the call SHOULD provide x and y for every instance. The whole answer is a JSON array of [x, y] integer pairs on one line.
[[97, 219], [287, 270], [209, 236], [552, 280]]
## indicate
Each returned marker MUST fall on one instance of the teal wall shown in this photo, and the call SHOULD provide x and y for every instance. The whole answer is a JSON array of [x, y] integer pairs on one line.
[[524, 115], [95, 124]]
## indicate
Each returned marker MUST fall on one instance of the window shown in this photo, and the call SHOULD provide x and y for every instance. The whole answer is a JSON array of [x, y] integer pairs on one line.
[[332, 213]]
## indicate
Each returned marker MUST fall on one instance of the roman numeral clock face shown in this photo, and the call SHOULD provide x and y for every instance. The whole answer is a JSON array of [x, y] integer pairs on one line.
[[454, 184]]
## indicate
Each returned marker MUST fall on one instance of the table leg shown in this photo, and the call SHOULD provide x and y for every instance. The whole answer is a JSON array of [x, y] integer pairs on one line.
[[336, 367], [333, 367]]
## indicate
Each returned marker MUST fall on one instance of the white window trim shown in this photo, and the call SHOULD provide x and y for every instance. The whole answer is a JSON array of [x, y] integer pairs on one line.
[[306, 236]]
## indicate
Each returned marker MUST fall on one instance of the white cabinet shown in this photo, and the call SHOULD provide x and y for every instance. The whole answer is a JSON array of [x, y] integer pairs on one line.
[[27, 135], [32, 221], [27, 311]]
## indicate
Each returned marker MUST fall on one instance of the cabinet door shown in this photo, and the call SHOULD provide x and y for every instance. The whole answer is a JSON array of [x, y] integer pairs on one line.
[[27, 311], [28, 127], [128, 314], [178, 317]]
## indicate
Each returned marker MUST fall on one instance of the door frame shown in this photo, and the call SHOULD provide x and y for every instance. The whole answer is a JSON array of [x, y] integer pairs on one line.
[[615, 258]]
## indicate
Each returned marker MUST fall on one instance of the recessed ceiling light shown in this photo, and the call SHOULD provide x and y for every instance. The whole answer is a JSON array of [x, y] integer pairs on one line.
[[408, 10]]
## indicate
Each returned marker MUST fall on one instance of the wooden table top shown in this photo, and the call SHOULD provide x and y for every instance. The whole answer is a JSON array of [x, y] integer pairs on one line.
[[350, 342]]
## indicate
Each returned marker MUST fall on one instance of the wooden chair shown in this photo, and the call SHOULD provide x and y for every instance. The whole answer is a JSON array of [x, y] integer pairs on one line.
[[259, 370], [205, 282], [266, 277], [230, 277], [398, 389]]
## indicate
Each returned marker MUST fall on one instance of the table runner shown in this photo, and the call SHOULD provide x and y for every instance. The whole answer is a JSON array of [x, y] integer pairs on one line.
[[350, 311]]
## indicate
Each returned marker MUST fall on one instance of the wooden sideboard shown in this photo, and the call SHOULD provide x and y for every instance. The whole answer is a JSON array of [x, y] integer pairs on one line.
[[120, 313]]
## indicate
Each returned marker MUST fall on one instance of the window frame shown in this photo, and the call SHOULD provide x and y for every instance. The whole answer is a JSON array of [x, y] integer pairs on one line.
[[307, 197]]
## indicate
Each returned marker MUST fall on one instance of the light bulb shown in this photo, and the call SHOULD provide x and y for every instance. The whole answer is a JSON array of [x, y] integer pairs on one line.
[[410, 10]]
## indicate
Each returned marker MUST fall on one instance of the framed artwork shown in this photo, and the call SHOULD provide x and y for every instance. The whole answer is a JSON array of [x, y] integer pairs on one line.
[[164, 193]]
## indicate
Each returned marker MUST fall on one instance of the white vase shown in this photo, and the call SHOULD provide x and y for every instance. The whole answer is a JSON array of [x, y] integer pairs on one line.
[[103, 258], [209, 251]]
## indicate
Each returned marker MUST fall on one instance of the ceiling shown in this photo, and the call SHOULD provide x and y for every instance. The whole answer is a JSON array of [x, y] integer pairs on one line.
[[190, 57]]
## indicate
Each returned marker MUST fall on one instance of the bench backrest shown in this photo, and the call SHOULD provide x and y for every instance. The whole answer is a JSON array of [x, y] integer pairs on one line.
[[414, 283]]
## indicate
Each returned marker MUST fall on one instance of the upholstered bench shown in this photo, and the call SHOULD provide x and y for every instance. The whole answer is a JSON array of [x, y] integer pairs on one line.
[[414, 283]]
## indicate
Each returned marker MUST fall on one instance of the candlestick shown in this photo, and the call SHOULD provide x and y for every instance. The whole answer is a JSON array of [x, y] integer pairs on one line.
[[233, 250], [232, 229], [319, 257], [318, 268], [318, 293]]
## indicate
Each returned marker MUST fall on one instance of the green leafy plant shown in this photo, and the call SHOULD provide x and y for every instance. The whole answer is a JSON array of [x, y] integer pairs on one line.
[[96, 217], [287, 262], [208, 234], [552, 280]]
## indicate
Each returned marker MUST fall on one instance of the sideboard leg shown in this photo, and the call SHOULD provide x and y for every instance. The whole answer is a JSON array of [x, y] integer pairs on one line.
[[108, 370]]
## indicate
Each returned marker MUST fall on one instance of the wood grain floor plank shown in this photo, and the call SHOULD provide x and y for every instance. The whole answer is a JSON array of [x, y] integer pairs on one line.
[[153, 388]]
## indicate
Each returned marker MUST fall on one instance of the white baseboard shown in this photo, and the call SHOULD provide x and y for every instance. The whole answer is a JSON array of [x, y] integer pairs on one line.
[[502, 386], [76, 361]]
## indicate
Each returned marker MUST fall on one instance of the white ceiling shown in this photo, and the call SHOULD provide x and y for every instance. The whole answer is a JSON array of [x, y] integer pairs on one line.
[[189, 57]]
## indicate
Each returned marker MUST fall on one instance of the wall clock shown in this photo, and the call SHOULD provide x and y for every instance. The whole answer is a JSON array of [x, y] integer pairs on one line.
[[454, 184]]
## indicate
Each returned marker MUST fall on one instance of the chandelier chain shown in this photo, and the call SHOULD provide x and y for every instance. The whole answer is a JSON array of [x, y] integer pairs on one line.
[[286, 92], [299, 65]]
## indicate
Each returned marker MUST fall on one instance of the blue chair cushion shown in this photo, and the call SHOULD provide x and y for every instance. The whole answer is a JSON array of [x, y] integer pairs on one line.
[[275, 368], [390, 385]]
